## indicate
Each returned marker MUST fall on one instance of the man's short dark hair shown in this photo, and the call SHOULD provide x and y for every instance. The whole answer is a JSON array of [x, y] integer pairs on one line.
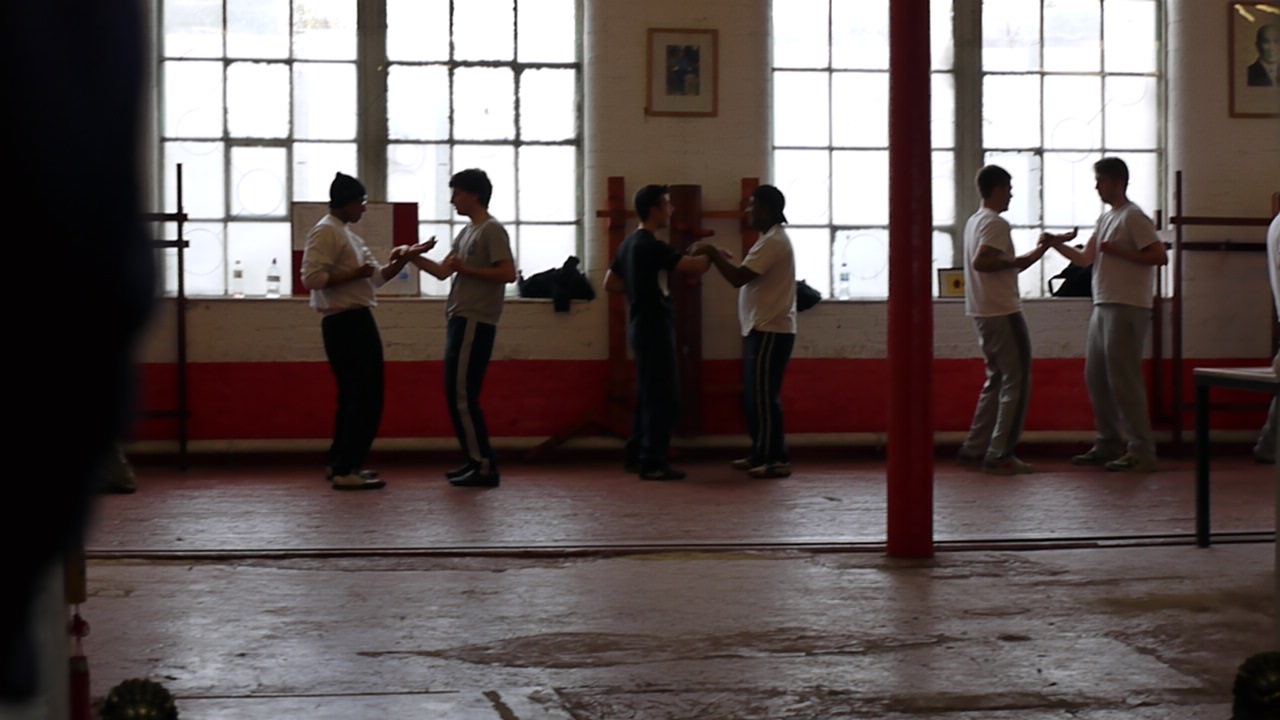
[[474, 181], [648, 198], [992, 177], [1114, 168]]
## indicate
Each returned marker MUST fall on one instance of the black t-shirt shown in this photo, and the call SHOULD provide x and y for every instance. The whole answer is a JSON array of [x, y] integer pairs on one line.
[[641, 258]]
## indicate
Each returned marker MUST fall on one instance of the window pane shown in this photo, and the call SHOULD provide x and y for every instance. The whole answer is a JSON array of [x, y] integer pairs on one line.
[[484, 104], [1010, 35], [866, 252], [943, 255], [1071, 30], [499, 162], [1011, 111], [1144, 178], [324, 30], [1069, 197], [420, 173], [861, 109], [484, 30], [941, 37], [943, 120], [543, 247], [314, 165], [258, 100], [804, 177], [548, 31], [800, 111], [259, 181], [203, 192], [204, 260], [1130, 36], [944, 188], [1031, 282], [1024, 209], [256, 245], [548, 183], [324, 101], [418, 102], [192, 99], [859, 34], [800, 32], [813, 257], [428, 285], [860, 187], [548, 105], [1132, 104], [418, 30], [258, 29], [192, 28], [1072, 112]]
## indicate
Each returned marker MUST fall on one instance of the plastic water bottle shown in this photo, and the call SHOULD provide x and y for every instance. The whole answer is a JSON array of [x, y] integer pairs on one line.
[[842, 283], [237, 280], [273, 280]]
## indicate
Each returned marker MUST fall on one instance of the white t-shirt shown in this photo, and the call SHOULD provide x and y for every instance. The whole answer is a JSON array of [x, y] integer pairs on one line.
[[768, 303], [1115, 279], [989, 294], [1273, 260], [332, 248]]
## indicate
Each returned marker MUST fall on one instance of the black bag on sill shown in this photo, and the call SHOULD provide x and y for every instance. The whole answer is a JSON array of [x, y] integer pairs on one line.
[[806, 296], [560, 285], [1076, 281]]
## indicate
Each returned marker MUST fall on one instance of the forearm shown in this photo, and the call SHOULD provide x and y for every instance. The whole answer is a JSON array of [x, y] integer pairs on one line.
[[736, 275], [1077, 257], [497, 275], [392, 270], [431, 267]]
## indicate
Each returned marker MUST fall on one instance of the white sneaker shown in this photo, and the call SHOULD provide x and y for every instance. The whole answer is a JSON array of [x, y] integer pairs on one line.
[[356, 481]]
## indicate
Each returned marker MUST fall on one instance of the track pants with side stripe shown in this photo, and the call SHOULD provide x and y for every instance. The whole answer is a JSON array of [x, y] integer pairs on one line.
[[468, 347], [765, 357]]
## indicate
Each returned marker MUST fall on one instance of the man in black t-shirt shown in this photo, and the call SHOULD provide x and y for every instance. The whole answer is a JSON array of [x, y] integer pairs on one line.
[[641, 271]]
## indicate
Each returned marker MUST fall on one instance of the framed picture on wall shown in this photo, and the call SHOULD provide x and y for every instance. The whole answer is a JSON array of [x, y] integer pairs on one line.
[[683, 72], [1253, 50]]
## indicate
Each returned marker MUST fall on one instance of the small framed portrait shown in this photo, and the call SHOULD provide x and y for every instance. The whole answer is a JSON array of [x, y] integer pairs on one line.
[[951, 282], [683, 73], [1253, 49]]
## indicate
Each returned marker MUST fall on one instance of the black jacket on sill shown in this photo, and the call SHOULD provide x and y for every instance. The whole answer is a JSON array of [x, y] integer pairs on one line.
[[560, 284]]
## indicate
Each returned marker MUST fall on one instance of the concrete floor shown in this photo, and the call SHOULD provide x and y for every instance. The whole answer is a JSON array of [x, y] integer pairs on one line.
[[576, 592]]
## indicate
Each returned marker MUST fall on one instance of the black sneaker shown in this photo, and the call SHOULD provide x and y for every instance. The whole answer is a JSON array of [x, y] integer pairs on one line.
[[475, 478], [456, 473], [662, 473]]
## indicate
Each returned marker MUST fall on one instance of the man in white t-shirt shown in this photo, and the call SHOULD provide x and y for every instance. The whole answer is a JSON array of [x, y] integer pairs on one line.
[[766, 282], [991, 298], [343, 276], [1124, 252], [1265, 450]]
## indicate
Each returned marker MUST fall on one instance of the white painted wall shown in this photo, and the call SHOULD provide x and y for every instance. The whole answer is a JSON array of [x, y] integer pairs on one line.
[[1231, 166]]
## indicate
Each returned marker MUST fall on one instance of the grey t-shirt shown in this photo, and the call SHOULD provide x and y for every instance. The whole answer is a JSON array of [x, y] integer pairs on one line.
[[481, 246]]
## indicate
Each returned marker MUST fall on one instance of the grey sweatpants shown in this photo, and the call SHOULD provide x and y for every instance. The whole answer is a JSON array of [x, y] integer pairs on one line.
[[1117, 386], [1002, 404]]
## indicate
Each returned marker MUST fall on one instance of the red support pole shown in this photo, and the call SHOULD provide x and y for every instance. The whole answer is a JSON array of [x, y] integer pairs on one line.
[[910, 298]]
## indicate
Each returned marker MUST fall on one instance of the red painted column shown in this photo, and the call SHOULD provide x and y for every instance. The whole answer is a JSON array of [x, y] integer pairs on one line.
[[910, 298]]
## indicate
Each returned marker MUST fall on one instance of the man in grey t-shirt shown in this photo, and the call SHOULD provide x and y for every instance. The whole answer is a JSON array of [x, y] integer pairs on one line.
[[481, 261]]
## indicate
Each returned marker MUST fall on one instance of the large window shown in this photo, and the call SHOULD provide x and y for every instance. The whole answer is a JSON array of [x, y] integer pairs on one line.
[[1058, 82], [1064, 83], [263, 100]]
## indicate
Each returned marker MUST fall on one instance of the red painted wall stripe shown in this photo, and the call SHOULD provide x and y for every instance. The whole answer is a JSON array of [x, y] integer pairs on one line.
[[534, 398]]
